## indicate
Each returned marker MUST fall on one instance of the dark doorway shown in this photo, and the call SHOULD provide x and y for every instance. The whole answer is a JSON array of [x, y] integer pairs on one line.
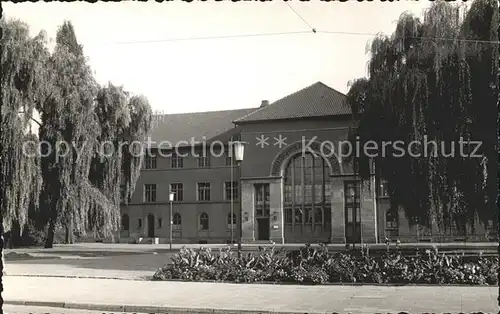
[[151, 226], [125, 226], [263, 228], [352, 211]]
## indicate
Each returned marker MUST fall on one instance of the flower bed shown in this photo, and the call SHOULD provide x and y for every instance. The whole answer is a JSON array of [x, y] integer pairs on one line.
[[318, 266]]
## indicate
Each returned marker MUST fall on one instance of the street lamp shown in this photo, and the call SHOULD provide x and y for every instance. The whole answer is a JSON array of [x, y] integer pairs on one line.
[[171, 198], [239, 150]]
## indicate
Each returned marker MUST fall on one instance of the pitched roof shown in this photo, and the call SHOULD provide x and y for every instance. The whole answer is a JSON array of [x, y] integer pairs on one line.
[[317, 100], [196, 126]]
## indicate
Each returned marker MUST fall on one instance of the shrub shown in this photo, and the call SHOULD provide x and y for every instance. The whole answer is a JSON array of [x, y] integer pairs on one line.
[[318, 266]]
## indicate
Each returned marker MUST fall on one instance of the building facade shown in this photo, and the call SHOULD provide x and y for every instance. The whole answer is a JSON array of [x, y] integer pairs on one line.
[[293, 185]]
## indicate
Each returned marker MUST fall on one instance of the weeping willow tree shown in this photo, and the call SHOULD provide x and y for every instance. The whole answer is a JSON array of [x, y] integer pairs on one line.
[[434, 81], [124, 123], [84, 126], [70, 128], [23, 86]]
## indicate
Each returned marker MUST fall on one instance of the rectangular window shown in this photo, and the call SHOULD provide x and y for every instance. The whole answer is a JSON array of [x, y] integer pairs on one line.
[[424, 231], [177, 222], [231, 221], [160, 223], [391, 224], [318, 216], [327, 211], [309, 215], [204, 191], [139, 223], [176, 161], [298, 216], [383, 190], [288, 215], [149, 193], [262, 199], [150, 161], [203, 161], [231, 190], [177, 189]]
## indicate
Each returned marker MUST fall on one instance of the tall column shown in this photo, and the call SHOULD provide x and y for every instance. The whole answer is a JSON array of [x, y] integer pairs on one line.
[[368, 214], [248, 219], [338, 211], [276, 223]]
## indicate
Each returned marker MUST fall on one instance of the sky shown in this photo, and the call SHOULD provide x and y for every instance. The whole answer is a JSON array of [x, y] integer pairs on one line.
[[122, 43]]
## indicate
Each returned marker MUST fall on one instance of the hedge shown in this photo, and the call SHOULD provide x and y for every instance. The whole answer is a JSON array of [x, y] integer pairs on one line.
[[319, 266]]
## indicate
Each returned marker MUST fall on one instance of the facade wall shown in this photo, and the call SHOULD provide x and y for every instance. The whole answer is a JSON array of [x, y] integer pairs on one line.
[[190, 209], [257, 168], [258, 160], [218, 232]]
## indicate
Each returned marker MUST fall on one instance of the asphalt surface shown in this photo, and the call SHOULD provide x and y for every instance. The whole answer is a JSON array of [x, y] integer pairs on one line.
[[19, 309]]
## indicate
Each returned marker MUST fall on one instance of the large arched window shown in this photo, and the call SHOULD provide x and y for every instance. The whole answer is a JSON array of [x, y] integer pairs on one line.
[[307, 195]]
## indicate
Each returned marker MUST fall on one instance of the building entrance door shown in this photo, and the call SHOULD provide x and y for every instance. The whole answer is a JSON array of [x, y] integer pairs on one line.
[[151, 226], [261, 207], [263, 228], [352, 211]]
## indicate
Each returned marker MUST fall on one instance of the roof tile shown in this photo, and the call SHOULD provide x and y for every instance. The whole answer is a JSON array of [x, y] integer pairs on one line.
[[196, 126], [317, 100]]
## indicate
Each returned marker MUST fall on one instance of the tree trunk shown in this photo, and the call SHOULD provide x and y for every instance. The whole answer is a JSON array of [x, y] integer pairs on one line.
[[66, 237], [69, 234], [49, 242]]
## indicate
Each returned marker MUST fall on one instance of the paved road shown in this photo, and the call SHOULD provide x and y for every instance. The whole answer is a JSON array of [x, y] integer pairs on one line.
[[133, 266], [163, 296], [20, 309]]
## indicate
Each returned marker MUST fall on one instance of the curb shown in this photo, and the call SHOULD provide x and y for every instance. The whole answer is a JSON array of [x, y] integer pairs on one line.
[[149, 309]]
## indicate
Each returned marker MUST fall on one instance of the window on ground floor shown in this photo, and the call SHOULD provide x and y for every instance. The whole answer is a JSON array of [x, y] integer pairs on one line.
[[125, 222], [204, 222], [231, 221], [423, 231], [321, 216], [176, 222], [288, 215], [383, 190], [392, 223]]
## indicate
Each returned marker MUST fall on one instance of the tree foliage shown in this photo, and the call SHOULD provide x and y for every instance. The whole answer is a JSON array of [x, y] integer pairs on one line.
[[23, 86], [434, 81], [78, 119]]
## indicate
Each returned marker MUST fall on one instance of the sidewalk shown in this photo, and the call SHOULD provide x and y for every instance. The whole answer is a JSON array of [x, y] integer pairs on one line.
[[137, 248], [184, 297]]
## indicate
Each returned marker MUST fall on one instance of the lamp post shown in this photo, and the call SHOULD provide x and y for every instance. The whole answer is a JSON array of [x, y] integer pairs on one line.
[[171, 198], [239, 150]]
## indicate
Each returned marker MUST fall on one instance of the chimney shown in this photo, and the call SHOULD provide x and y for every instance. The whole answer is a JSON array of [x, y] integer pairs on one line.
[[264, 103]]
